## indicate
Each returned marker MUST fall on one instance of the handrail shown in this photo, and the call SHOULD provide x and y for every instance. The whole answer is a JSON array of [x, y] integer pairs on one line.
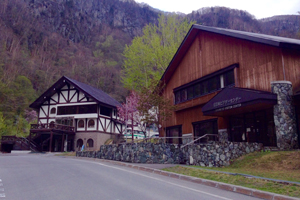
[[184, 137], [53, 126], [203, 136]]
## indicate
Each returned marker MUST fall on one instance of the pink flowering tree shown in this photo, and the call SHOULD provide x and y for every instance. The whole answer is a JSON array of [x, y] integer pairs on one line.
[[30, 115], [129, 113]]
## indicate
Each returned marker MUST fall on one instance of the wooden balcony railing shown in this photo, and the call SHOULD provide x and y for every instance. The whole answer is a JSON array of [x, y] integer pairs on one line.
[[52, 126]]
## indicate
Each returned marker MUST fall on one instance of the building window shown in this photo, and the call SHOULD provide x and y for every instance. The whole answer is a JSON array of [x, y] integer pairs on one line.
[[82, 109], [90, 143], [177, 97], [80, 123], [91, 123], [205, 86], [105, 111], [174, 135], [205, 127], [53, 111], [64, 121], [229, 78], [79, 143]]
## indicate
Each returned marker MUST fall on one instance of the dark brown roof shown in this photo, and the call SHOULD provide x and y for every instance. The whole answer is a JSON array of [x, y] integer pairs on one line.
[[97, 94], [276, 41]]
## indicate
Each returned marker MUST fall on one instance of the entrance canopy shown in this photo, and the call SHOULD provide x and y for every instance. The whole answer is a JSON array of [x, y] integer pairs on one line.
[[232, 101]]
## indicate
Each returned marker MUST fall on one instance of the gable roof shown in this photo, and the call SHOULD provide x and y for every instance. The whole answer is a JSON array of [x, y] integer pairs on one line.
[[98, 95], [276, 41]]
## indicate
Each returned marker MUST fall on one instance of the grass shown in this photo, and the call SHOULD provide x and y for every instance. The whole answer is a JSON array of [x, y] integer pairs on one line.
[[66, 154], [276, 165]]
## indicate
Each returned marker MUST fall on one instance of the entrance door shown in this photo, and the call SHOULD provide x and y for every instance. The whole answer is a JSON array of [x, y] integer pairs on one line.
[[237, 131], [253, 127]]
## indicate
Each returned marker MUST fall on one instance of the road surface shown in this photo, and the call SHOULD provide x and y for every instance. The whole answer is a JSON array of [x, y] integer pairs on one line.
[[45, 176]]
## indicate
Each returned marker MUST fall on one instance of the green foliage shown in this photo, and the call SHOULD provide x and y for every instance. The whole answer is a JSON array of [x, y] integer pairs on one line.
[[149, 55], [154, 108], [3, 126], [15, 99]]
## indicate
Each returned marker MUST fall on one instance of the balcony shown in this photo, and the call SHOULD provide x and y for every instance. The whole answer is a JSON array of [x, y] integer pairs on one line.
[[52, 127]]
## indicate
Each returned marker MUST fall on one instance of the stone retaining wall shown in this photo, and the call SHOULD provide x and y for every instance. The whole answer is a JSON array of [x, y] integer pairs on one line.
[[213, 154]]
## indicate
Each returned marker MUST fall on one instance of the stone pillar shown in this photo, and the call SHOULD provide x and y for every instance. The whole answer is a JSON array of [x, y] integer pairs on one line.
[[223, 135], [284, 116]]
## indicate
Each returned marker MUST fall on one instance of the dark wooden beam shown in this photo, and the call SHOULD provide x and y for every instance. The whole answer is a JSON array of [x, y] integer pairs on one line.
[[51, 138], [62, 142]]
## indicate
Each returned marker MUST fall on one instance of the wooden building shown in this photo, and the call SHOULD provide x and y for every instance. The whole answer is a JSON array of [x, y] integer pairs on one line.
[[72, 114], [237, 85]]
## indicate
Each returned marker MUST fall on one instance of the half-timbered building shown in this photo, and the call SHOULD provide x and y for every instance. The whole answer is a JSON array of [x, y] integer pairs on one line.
[[237, 85], [72, 114]]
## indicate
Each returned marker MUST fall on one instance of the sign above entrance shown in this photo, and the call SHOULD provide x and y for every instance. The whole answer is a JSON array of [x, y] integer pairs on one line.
[[237, 98], [227, 102]]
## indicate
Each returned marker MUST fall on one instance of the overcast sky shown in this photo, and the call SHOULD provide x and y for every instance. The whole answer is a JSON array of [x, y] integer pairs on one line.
[[258, 8]]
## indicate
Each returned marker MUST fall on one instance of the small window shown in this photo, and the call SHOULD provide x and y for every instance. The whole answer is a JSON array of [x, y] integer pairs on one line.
[[214, 84], [177, 97], [190, 92], [229, 78], [81, 124], [90, 143], [197, 90], [183, 95], [91, 123], [204, 87], [53, 111]]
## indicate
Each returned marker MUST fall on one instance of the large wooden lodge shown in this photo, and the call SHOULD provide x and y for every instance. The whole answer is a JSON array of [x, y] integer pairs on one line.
[[240, 86], [72, 114]]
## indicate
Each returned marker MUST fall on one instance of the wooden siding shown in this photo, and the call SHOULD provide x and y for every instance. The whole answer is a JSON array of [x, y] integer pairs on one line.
[[259, 65]]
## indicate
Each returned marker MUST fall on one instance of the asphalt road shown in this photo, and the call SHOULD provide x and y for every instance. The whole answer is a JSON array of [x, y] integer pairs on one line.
[[44, 176]]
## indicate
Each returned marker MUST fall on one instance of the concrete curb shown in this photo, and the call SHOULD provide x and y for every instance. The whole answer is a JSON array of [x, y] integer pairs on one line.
[[219, 185]]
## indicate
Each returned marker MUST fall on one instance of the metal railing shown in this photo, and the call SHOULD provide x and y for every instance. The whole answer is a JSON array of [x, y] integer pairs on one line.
[[24, 142], [52, 126], [199, 138], [185, 140]]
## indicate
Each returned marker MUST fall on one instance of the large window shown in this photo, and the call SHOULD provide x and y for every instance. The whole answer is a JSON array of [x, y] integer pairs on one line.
[[204, 86], [82, 109], [174, 135], [105, 111], [205, 127]]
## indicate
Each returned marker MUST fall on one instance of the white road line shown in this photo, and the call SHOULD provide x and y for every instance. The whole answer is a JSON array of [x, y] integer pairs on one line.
[[2, 195], [199, 191]]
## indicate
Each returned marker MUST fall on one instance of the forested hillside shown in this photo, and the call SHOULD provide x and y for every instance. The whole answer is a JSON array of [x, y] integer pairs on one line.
[[41, 40]]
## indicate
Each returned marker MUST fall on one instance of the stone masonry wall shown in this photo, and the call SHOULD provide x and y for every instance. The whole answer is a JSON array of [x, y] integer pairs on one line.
[[284, 116], [212, 154]]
